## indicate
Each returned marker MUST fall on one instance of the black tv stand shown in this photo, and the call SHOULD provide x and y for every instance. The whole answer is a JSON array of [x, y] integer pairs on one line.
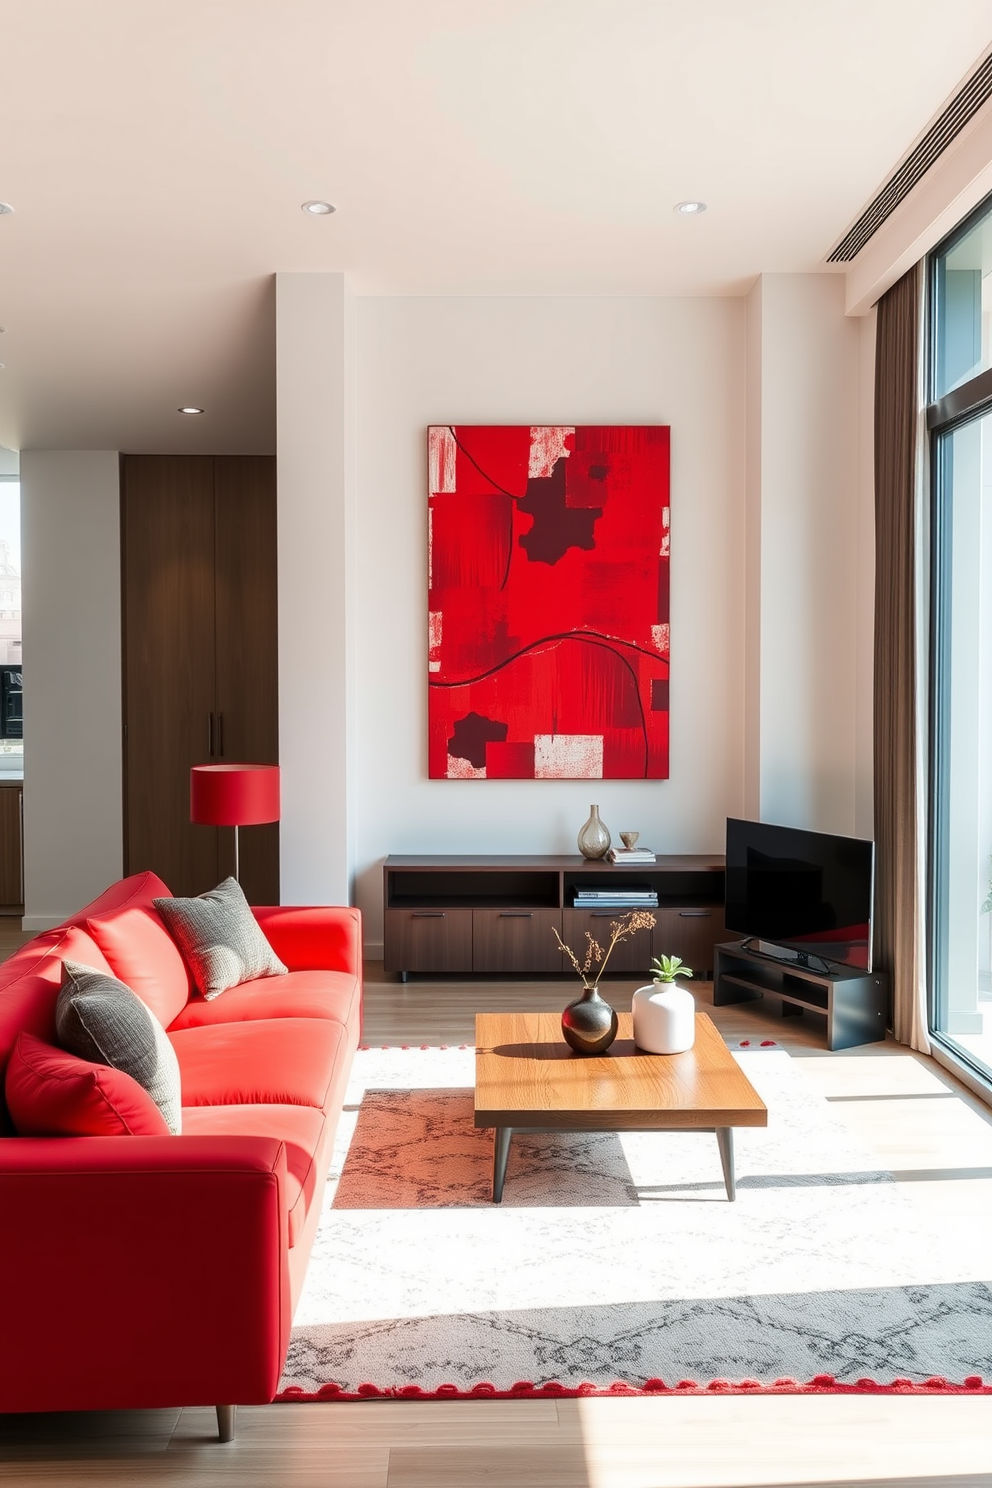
[[853, 1002]]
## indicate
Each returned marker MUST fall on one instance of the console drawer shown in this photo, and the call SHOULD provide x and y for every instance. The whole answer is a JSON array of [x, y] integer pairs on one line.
[[516, 940], [427, 940], [691, 933], [632, 957]]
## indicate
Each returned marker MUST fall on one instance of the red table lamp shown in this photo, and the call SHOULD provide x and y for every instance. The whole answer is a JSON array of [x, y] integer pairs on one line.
[[234, 796]]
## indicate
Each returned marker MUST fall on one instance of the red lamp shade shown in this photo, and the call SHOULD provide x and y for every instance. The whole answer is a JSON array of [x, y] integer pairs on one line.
[[234, 795]]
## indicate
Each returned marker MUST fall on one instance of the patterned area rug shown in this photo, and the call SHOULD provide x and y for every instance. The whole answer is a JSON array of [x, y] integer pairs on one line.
[[615, 1262]]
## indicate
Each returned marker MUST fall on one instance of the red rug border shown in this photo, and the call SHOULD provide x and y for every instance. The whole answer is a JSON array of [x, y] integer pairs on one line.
[[820, 1384]]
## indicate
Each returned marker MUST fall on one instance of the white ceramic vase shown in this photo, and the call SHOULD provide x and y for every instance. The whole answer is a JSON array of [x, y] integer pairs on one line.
[[664, 1018]]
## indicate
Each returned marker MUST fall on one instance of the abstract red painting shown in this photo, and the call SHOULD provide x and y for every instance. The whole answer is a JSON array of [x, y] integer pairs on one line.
[[549, 602]]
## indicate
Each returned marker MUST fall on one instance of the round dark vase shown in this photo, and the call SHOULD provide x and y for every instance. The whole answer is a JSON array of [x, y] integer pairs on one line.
[[589, 1024]]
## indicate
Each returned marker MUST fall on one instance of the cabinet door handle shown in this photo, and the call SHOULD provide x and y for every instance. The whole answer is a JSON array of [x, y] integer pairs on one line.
[[605, 914], [695, 914], [427, 914], [516, 914]]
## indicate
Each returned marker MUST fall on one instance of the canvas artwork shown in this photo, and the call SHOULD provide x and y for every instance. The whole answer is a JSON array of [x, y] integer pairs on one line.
[[549, 602]]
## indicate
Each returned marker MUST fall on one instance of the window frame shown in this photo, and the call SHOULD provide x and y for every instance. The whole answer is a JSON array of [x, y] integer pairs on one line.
[[944, 416]]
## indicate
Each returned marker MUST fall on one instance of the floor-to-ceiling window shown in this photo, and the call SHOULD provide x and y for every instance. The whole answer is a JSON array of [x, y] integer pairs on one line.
[[960, 421]]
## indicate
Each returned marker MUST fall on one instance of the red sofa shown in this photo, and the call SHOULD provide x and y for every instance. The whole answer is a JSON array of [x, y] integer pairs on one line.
[[157, 1271]]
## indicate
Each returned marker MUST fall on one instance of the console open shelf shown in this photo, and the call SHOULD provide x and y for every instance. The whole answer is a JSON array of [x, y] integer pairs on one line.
[[492, 913]]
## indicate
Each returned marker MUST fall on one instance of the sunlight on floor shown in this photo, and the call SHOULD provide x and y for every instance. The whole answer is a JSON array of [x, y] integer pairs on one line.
[[750, 1442]]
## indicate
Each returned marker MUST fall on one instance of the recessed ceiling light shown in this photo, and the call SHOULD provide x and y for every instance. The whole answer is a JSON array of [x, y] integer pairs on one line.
[[689, 208], [189, 410], [318, 208], [5, 207]]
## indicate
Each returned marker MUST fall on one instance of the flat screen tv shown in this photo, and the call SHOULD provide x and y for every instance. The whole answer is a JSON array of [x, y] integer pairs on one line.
[[802, 896]]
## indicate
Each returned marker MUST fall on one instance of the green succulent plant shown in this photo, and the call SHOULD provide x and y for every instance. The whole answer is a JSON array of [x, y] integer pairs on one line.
[[667, 968]]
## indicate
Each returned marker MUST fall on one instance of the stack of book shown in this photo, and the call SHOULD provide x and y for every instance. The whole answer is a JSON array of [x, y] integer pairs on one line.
[[623, 896], [631, 855]]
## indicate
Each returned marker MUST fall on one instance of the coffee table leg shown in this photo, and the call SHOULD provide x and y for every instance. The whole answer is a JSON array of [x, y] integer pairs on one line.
[[501, 1151], [725, 1138]]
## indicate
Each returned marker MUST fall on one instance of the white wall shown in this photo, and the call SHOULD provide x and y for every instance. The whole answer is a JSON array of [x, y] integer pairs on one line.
[[751, 613], [806, 624], [315, 475], [423, 361], [70, 554]]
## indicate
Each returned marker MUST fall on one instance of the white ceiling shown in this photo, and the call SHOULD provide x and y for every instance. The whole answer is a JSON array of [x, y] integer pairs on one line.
[[157, 153]]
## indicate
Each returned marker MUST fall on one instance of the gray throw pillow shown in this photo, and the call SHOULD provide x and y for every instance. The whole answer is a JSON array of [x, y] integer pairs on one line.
[[220, 939], [101, 1019]]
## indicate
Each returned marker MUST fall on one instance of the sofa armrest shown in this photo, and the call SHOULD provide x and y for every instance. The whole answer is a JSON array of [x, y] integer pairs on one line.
[[142, 1271], [314, 937]]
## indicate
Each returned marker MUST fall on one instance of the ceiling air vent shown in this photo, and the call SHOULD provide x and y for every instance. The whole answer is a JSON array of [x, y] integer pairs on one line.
[[962, 107]]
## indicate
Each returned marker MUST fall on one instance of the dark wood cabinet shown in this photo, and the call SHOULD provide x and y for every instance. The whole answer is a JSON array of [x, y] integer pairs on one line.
[[496, 914], [246, 649], [11, 849], [199, 658]]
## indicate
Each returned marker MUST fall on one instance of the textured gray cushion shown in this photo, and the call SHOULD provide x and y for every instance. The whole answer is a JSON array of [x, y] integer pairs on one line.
[[101, 1019], [220, 939]]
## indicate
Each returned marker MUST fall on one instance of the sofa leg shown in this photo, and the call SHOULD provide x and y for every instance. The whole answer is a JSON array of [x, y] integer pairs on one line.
[[225, 1422]]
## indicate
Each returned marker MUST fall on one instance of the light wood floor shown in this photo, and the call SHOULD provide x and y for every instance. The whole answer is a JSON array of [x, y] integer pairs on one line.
[[935, 1137]]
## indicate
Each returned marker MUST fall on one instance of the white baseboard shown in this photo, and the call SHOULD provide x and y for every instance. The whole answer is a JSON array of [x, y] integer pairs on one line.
[[33, 924], [372, 950]]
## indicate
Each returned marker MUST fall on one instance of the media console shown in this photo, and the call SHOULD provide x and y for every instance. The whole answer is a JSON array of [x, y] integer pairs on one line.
[[853, 1002], [491, 913]]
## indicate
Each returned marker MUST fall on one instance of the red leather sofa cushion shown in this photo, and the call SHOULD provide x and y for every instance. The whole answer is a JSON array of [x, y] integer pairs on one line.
[[29, 980], [29, 989], [274, 1061], [298, 994], [313, 937], [144, 956], [54, 1094]]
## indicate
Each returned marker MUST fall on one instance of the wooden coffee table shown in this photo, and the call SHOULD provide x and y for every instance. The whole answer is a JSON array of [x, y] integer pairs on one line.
[[528, 1079]]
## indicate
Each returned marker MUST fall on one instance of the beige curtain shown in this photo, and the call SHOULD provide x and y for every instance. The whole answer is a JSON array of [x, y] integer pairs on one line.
[[899, 713]]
